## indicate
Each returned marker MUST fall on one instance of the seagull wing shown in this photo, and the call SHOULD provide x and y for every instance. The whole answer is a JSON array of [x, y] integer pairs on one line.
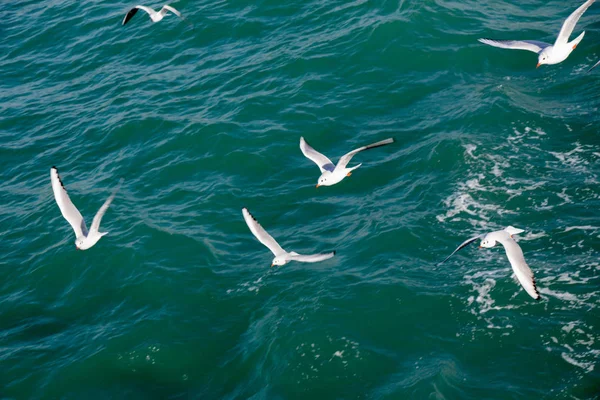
[[310, 258], [174, 11], [569, 24], [134, 10], [67, 208], [520, 267], [594, 66], [347, 157], [321, 160], [98, 217], [261, 234], [169, 8], [463, 244], [529, 45]]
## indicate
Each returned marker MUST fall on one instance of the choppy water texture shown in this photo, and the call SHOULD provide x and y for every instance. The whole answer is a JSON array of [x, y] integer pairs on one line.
[[178, 301]]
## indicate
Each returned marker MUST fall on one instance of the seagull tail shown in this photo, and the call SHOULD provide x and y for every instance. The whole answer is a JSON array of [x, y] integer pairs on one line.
[[576, 41], [513, 231], [353, 168]]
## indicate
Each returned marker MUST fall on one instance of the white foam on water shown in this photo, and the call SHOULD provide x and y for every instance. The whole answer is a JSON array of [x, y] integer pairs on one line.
[[565, 296], [531, 236], [578, 340], [565, 197], [578, 160], [587, 366], [313, 359], [583, 227], [252, 286]]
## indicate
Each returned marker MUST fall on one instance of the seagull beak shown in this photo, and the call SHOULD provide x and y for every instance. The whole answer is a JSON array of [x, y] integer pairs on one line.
[[480, 247], [538, 65], [318, 185], [272, 265]]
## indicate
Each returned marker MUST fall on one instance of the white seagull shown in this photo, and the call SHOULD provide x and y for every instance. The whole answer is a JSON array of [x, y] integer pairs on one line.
[[513, 252], [154, 16], [281, 256], [332, 174], [84, 238], [548, 53]]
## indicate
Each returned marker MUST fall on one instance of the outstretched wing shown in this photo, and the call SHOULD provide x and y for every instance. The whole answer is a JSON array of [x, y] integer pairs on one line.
[[311, 258], [169, 8], [321, 160], [98, 217], [569, 24], [261, 234], [520, 267], [463, 244], [594, 66], [67, 208], [134, 10], [529, 45], [347, 157]]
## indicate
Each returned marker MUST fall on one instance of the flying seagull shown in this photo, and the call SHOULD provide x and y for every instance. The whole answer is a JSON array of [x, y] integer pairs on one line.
[[154, 16], [513, 252], [84, 238], [332, 174], [548, 53], [281, 256]]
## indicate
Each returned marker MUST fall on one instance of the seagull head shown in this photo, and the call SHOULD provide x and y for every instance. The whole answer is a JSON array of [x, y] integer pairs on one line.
[[79, 244], [544, 57], [487, 242], [326, 179], [278, 261], [87, 242]]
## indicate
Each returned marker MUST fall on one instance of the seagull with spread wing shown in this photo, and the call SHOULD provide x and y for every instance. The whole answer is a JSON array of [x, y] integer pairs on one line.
[[84, 239], [548, 53], [332, 174], [513, 252], [281, 256], [154, 16]]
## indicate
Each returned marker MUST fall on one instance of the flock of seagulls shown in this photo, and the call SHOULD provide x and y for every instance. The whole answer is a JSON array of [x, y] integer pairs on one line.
[[332, 174]]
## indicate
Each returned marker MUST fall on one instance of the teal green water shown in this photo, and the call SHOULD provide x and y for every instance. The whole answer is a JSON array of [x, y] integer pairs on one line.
[[179, 302]]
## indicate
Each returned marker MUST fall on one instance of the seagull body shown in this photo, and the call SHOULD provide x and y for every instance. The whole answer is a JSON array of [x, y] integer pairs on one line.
[[332, 174], [154, 16], [282, 257], [548, 53], [84, 238], [513, 252]]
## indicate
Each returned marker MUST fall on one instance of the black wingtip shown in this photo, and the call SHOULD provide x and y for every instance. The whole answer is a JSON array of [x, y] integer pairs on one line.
[[250, 214], [335, 251], [129, 15]]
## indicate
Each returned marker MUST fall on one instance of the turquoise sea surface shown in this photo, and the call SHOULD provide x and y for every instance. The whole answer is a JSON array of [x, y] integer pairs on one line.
[[179, 300]]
